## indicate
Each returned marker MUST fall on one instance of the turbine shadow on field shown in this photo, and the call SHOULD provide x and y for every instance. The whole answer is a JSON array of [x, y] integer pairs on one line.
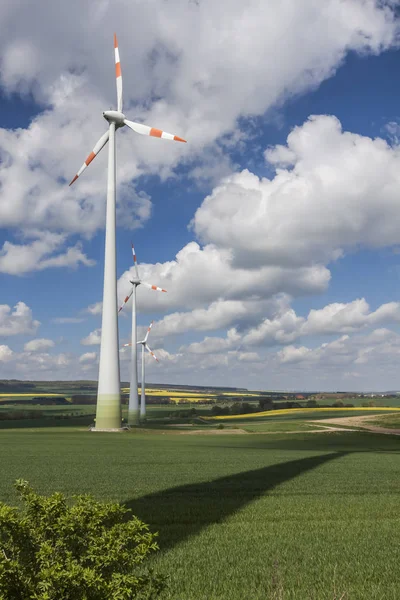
[[181, 512]]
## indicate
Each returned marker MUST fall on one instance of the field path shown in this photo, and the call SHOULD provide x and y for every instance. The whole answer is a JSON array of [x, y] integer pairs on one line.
[[361, 422]]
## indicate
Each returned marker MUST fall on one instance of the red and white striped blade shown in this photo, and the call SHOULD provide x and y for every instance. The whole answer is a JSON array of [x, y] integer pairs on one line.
[[135, 261], [151, 352], [146, 130], [118, 74], [125, 345], [100, 144], [152, 287], [148, 331], [125, 301]]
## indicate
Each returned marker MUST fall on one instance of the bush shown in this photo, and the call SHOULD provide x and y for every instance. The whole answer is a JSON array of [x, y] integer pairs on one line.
[[311, 404], [266, 404], [220, 426], [219, 410], [87, 551]]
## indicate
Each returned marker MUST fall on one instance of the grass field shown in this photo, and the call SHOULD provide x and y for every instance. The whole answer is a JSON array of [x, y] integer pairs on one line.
[[389, 421], [241, 517]]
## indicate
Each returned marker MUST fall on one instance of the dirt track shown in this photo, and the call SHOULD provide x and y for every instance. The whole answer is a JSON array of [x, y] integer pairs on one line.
[[324, 426], [359, 422]]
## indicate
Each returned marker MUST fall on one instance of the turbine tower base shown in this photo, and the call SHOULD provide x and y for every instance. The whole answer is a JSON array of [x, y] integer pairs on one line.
[[108, 413], [134, 417]]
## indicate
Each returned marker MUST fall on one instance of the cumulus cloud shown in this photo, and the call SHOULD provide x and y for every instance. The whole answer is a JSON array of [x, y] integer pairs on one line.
[[36, 365], [181, 73], [39, 344], [380, 348], [286, 326], [95, 309], [199, 276], [41, 253], [6, 354], [93, 339], [211, 345], [217, 315], [333, 318], [18, 321], [333, 190], [88, 357]]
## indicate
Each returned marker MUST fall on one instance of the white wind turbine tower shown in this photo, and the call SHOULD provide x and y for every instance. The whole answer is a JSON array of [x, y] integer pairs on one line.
[[143, 385], [133, 407], [108, 412]]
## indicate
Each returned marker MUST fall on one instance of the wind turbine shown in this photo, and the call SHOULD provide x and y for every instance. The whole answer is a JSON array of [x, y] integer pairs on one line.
[[133, 407], [143, 389], [108, 412]]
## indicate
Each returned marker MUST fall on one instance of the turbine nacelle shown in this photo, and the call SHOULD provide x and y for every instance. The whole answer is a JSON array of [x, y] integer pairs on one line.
[[118, 117], [114, 116]]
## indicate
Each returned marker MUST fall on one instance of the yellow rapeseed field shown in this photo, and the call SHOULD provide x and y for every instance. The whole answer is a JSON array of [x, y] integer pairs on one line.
[[35, 394], [286, 411], [175, 396]]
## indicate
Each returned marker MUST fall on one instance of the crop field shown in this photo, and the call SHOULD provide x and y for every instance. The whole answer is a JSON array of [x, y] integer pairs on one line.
[[285, 516], [304, 412], [391, 421]]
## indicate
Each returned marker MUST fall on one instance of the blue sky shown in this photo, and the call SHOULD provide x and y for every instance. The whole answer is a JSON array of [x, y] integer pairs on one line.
[[275, 230]]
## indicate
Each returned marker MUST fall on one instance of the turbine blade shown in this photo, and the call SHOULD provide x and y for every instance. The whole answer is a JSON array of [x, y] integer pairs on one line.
[[135, 261], [148, 331], [100, 144], [151, 352], [118, 74], [125, 301], [146, 130], [152, 287], [125, 345]]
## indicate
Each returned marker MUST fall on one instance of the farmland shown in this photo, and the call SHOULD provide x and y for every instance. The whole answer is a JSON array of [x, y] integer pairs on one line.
[[283, 512]]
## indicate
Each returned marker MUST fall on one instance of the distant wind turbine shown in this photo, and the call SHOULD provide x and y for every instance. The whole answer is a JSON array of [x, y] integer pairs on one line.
[[143, 384], [108, 412], [133, 407]]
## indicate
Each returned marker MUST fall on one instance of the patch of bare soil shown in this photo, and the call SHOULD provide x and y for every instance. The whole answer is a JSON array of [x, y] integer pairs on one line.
[[361, 422]]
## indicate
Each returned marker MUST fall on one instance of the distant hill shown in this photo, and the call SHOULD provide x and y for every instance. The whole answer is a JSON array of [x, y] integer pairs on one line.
[[14, 386]]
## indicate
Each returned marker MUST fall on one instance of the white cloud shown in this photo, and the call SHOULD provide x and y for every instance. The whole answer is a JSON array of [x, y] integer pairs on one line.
[[291, 354], [211, 345], [340, 192], [93, 339], [181, 73], [201, 276], [248, 357], [39, 344], [217, 315], [18, 259], [380, 349], [333, 318], [88, 357], [95, 309], [6, 354], [285, 326], [17, 321]]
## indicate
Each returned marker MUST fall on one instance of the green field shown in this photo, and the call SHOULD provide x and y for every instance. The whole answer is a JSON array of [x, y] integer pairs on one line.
[[389, 421], [257, 517]]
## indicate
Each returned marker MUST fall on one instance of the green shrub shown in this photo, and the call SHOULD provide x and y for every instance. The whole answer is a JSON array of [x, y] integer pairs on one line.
[[220, 410], [87, 551], [220, 426]]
